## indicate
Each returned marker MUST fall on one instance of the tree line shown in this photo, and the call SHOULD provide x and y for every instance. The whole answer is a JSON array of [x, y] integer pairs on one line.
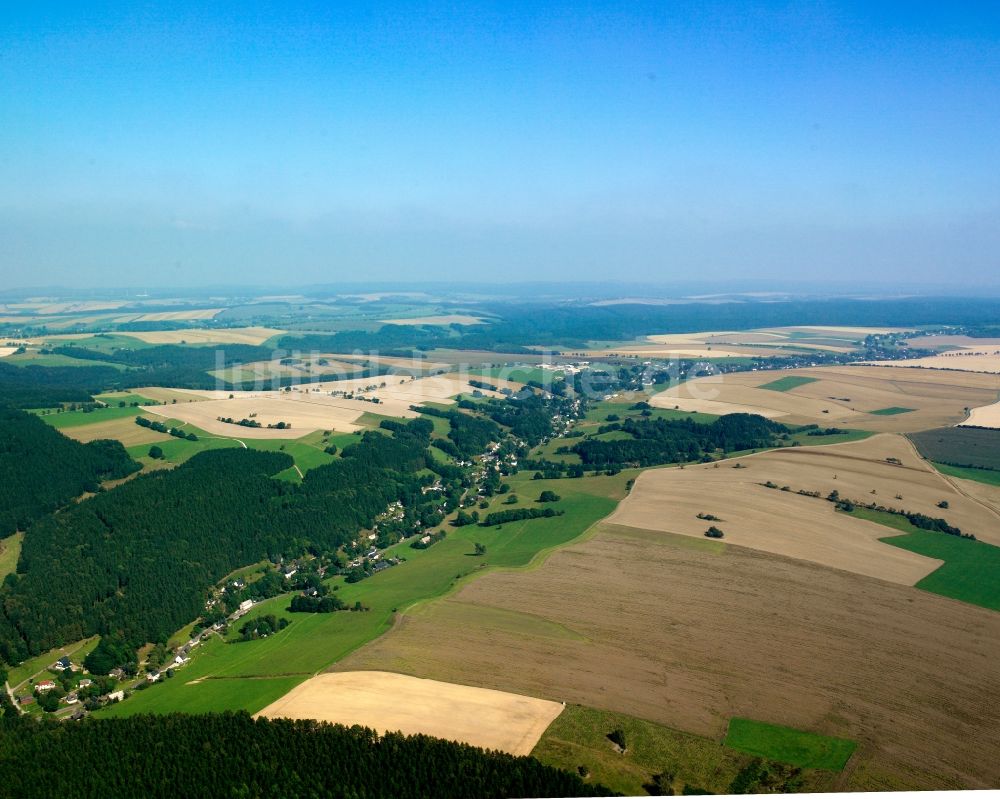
[[232, 754]]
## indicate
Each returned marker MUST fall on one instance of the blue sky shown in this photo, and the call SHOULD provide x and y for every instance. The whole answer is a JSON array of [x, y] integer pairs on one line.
[[302, 143]]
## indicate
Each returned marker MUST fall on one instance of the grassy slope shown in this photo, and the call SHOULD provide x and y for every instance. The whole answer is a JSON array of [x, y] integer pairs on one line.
[[77, 418], [313, 642], [895, 409], [578, 738], [990, 477], [10, 550], [787, 745], [971, 569]]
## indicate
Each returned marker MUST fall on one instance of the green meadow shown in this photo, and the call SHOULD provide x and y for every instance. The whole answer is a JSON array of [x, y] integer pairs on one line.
[[895, 409], [10, 550], [990, 477], [787, 745], [971, 569], [788, 383], [77, 418]]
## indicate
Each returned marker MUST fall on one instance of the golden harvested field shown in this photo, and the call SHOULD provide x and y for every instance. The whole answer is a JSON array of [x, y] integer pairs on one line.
[[804, 527], [986, 416], [166, 395], [311, 406], [777, 341], [124, 430], [444, 319], [304, 417], [390, 702], [962, 353], [841, 396], [690, 633], [235, 335], [172, 316], [5, 351]]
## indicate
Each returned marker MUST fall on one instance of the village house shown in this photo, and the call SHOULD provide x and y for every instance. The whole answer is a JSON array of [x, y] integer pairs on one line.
[[86, 682], [245, 605], [116, 696], [153, 676], [44, 685]]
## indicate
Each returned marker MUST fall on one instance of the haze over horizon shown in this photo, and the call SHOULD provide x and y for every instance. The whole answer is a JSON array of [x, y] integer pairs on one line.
[[581, 142]]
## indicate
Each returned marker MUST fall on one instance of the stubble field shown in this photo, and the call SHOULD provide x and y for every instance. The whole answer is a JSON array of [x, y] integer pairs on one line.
[[390, 702], [690, 633], [805, 527], [847, 396]]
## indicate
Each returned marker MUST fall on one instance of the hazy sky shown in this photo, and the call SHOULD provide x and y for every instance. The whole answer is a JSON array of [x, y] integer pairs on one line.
[[314, 142]]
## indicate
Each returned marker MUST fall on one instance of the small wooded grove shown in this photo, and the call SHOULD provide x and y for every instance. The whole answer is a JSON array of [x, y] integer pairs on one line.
[[138, 561], [41, 469], [233, 755], [656, 441]]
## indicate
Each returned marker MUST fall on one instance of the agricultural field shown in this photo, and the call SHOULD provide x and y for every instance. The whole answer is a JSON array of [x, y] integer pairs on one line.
[[693, 651], [845, 396], [227, 335], [312, 407], [990, 477], [805, 749], [960, 446], [478, 716], [788, 383], [74, 419], [808, 527], [985, 416], [958, 353], [741, 344], [122, 429]]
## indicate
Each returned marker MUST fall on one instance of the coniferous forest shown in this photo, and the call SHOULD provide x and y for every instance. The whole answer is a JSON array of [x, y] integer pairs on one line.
[[656, 441], [41, 469], [138, 561], [233, 755]]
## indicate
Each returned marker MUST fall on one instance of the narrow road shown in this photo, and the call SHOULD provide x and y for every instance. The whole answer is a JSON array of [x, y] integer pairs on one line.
[[13, 701]]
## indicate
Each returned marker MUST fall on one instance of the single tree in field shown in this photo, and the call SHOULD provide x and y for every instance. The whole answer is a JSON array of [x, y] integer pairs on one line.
[[480, 549], [155, 452]]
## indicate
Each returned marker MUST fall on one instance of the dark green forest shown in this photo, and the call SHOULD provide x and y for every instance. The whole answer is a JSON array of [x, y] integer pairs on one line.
[[41, 469], [48, 386], [523, 325], [233, 755], [658, 441], [138, 561]]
